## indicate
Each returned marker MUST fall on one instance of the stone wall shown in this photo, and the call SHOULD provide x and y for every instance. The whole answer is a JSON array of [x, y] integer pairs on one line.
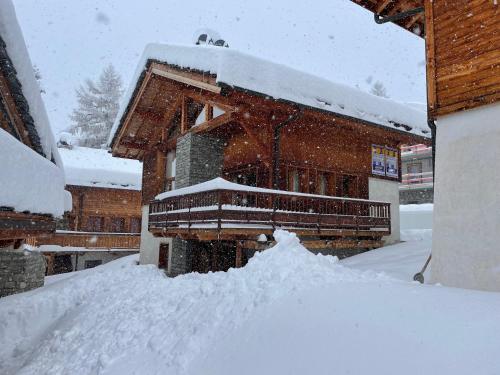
[[20, 271], [199, 158], [416, 196], [180, 257]]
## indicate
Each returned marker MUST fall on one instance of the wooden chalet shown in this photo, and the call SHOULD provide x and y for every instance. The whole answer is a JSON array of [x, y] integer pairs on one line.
[[105, 220], [32, 192], [463, 91], [26, 141], [294, 151]]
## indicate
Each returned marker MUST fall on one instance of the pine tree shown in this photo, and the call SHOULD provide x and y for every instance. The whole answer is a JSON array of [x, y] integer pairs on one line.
[[98, 104], [378, 89]]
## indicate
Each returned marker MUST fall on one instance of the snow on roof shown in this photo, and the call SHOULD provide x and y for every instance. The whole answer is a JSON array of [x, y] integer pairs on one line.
[[243, 71], [29, 181], [85, 166], [222, 184], [11, 34]]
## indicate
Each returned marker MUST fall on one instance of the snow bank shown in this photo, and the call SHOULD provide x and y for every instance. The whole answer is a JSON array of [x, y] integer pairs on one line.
[[278, 81], [416, 216], [29, 182], [288, 311], [16, 48], [85, 166]]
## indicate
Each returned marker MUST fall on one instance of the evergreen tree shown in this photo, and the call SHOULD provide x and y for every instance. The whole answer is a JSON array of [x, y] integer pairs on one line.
[[98, 104], [378, 89]]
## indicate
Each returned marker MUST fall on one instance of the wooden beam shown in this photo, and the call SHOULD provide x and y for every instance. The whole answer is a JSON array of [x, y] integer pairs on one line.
[[161, 71], [239, 255], [383, 5], [209, 112], [184, 115], [134, 105], [214, 123]]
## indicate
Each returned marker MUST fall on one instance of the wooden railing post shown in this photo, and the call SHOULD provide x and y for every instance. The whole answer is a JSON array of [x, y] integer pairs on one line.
[[219, 209]]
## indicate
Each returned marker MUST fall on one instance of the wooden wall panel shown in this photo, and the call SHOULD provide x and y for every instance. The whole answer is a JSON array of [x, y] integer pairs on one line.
[[153, 175], [463, 54], [102, 202]]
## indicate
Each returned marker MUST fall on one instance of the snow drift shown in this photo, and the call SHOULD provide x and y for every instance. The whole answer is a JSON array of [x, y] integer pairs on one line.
[[287, 312]]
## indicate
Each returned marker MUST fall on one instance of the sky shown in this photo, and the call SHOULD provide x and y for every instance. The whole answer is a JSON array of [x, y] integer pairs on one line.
[[70, 41]]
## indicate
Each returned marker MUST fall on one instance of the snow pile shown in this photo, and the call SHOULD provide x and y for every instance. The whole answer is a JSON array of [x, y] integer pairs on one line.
[[29, 182], [243, 71], [16, 48], [98, 168], [288, 311]]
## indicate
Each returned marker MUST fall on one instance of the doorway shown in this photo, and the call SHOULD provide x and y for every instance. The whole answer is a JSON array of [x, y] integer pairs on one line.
[[163, 257]]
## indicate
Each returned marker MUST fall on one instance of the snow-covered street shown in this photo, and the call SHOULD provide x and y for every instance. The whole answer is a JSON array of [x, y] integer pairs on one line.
[[286, 312]]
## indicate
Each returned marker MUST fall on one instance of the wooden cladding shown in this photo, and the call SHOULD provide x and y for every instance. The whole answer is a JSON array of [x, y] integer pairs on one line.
[[92, 240], [463, 54], [153, 175]]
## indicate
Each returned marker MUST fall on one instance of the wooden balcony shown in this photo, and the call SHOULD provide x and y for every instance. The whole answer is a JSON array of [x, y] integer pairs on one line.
[[225, 210], [92, 240]]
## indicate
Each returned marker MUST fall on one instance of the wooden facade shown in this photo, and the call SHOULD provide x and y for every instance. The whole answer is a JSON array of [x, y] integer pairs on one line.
[[101, 218], [462, 47], [268, 143], [16, 120]]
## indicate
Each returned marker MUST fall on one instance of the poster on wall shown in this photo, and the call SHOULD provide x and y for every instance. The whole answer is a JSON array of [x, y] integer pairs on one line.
[[378, 160], [391, 163]]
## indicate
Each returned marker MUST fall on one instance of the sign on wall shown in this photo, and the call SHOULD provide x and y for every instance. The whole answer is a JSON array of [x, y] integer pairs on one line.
[[391, 163], [378, 160], [385, 161]]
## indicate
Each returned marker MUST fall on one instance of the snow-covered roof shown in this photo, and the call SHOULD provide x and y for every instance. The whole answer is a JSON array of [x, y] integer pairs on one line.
[[278, 81], [222, 184], [85, 166], [11, 34], [29, 181]]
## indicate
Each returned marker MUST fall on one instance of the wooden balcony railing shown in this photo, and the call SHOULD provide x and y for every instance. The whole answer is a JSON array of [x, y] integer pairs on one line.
[[92, 240], [220, 209]]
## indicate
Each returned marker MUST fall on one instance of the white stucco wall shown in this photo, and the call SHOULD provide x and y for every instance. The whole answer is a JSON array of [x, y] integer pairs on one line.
[[387, 191], [150, 245], [466, 238]]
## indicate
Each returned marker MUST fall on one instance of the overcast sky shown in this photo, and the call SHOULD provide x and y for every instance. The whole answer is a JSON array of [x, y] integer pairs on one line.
[[70, 40]]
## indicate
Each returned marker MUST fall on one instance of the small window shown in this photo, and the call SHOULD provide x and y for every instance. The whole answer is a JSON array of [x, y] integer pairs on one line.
[[323, 184], [92, 263], [135, 225], [95, 224], [293, 180], [117, 225]]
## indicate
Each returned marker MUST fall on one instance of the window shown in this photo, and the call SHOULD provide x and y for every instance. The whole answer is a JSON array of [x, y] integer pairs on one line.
[[348, 186], [135, 225], [414, 168], [323, 184], [293, 180], [92, 263], [95, 224], [117, 225]]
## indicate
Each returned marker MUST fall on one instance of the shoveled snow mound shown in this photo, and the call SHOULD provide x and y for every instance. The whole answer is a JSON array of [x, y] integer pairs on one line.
[[287, 312], [29, 182], [85, 166]]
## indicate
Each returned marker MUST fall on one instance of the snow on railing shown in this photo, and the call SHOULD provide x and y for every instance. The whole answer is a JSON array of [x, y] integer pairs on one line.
[[414, 179]]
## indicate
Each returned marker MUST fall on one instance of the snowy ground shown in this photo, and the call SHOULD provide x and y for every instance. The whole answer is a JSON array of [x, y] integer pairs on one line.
[[286, 312]]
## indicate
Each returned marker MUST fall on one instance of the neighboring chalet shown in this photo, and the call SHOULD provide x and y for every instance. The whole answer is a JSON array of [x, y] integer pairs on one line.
[[32, 192], [417, 184], [105, 221], [235, 146], [463, 90]]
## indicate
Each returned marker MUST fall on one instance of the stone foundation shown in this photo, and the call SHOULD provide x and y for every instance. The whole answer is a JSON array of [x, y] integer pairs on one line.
[[20, 271], [180, 259]]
